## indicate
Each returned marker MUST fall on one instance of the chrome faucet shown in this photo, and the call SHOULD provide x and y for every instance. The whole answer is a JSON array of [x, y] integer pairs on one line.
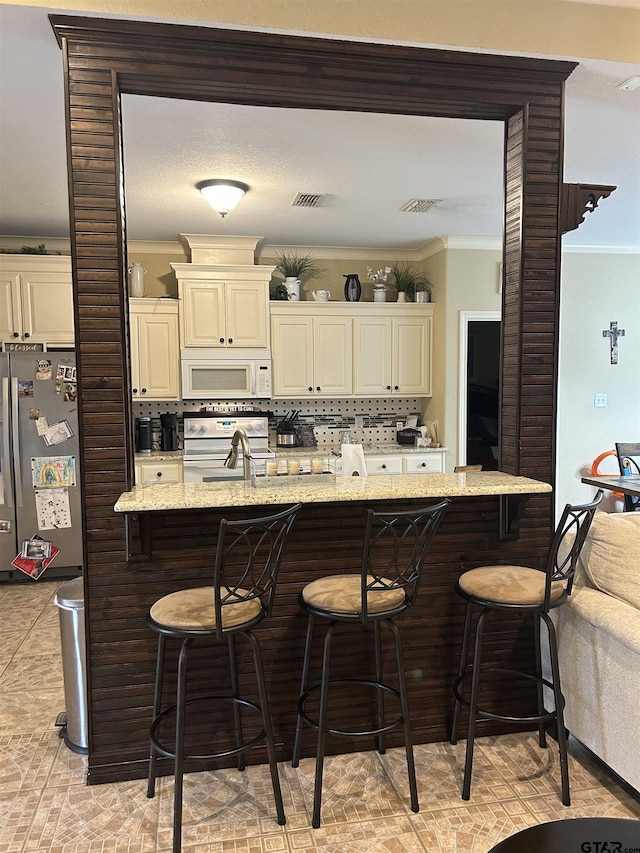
[[240, 437]]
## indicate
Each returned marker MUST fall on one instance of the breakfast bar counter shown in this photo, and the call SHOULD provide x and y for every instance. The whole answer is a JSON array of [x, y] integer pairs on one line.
[[325, 488], [171, 539]]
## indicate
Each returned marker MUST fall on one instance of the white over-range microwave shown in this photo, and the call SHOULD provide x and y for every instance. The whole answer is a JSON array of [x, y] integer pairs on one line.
[[209, 375]]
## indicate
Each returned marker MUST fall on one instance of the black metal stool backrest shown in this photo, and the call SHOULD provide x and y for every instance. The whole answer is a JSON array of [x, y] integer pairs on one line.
[[567, 543], [394, 549], [248, 559], [629, 452], [629, 456]]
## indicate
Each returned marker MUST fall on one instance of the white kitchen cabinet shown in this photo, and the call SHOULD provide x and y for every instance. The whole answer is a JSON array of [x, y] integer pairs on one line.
[[223, 306], [341, 349], [149, 472], [390, 464], [392, 355], [424, 463], [36, 299], [155, 355], [312, 356]]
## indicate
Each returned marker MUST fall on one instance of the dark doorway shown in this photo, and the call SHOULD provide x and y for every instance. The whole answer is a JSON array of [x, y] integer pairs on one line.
[[483, 370]]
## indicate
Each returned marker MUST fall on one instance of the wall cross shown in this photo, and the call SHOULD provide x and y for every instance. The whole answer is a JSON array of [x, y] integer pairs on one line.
[[613, 333]]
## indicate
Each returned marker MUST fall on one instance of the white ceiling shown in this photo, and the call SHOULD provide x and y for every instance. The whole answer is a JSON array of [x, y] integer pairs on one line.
[[368, 165]]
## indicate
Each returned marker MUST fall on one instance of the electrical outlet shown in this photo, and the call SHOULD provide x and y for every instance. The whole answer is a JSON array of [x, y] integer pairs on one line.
[[359, 422], [600, 400]]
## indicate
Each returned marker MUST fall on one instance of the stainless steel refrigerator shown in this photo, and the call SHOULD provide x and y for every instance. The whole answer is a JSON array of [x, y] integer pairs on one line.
[[39, 466]]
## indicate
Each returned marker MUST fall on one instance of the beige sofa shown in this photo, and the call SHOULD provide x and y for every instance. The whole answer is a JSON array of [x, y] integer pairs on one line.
[[598, 633]]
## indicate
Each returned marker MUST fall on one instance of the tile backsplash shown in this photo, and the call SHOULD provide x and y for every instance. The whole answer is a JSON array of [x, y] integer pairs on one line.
[[329, 418]]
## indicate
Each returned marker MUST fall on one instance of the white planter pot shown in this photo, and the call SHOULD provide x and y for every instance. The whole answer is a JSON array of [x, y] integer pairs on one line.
[[293, 288]]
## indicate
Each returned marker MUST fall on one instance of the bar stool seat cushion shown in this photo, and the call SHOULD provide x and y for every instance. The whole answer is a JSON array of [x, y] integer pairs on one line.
[[516, 585], [192, 609], [343, 594]]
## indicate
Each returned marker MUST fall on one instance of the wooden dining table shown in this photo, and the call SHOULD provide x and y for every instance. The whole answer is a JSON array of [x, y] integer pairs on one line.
[[629, 485]]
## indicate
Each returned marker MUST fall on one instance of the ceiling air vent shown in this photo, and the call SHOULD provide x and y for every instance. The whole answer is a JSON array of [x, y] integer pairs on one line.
[[419, 205], [308, 200]]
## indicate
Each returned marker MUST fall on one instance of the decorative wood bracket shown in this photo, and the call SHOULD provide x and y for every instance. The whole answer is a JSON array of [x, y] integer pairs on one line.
[[577, 200], [511, 510]]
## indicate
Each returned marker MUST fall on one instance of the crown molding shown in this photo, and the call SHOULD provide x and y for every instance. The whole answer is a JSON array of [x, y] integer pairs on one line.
[[426, 250]]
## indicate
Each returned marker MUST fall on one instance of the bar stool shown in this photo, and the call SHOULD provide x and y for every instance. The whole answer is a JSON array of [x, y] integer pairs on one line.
[[394, 550], [247, 561], [529, 591]]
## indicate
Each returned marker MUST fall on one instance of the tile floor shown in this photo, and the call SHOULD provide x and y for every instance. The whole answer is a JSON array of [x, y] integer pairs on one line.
[[45, 804]]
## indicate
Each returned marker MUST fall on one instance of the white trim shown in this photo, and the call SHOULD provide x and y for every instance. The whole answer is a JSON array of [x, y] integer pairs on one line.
[[466, 317], [604, 249]]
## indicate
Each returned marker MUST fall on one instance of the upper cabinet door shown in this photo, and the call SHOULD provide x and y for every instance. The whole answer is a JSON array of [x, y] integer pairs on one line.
[[411, 356], [202, 314], [154, 349], [246, 309], [372, 356], [332, 356], [292, 356], [47, 307], [10, 322]]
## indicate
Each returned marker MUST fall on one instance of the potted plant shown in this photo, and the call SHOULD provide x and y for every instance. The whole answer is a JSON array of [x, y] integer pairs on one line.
[[407, 281], [294, 267]]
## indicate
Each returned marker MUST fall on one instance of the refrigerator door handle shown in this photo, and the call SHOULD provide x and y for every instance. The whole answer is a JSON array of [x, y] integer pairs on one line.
[[16, 441], [6, 448]]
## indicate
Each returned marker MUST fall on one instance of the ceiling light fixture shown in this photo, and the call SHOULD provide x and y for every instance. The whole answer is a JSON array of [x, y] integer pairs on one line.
[[222, 195]]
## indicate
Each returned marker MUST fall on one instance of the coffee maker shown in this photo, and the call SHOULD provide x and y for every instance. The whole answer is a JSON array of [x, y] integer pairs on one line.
[[168, 431], [144, 435]]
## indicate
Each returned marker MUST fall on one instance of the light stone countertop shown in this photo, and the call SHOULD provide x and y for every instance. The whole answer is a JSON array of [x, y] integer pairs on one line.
[[160, 456], [368, 450], [324, 488]]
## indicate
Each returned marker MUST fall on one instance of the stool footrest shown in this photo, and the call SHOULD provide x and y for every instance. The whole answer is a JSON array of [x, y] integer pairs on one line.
[[493, 715], [171, 710], [357, 682]]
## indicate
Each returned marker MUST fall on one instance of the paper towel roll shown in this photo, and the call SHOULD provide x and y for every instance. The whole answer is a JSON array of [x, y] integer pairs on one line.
[[353, 464]]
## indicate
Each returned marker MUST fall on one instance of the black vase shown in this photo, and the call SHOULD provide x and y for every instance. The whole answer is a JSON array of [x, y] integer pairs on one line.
[[352, 288]]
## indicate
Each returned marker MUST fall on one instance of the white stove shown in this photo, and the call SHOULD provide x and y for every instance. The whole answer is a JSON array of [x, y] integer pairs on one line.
[[207, 442]]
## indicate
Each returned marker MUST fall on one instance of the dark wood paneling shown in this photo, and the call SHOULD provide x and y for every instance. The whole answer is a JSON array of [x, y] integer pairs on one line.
[[102, 59]]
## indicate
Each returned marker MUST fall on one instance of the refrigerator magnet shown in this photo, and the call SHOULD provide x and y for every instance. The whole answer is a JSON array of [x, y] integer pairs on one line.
[[57, 433], [44, 368]]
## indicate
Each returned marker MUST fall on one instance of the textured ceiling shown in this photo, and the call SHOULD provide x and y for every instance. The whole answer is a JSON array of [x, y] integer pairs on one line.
[[367, 165]]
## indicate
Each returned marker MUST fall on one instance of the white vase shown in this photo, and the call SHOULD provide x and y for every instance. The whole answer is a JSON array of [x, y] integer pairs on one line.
[[379, 294], [402, 296], [293, 288], [136, 280]]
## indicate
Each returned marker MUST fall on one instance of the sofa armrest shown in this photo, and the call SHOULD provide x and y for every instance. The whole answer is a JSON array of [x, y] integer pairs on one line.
[[610, 615]]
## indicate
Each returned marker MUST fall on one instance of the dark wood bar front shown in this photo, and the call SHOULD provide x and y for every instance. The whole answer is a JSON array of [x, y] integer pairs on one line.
[[176, 551]]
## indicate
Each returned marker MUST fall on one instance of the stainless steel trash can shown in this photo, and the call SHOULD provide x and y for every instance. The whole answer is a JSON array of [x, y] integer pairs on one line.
[[73, 722]]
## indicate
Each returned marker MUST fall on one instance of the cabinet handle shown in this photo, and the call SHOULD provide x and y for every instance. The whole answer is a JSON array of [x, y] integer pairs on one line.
[[143, 390], [388, 387], [396, 388], [423, 464], [230, 340], [159, 474], [135, 390], [310, 388], [16, 334], [221, 340], [318, 388], [383, 466], [27, 335]]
